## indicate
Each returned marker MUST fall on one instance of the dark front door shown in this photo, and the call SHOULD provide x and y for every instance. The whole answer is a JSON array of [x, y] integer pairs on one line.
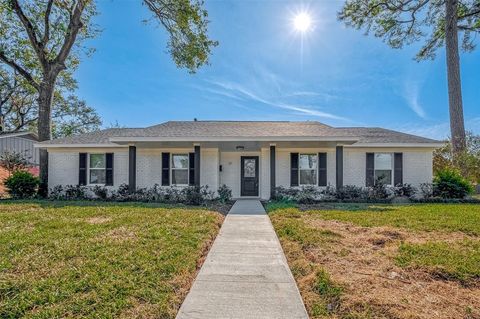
[[249, 176]]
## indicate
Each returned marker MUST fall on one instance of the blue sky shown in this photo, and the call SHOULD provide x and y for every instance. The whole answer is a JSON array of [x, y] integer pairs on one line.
[[261, 71]]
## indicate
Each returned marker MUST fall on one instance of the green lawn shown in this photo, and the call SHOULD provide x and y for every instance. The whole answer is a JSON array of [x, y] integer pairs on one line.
[[421, 217], [309, 237], [94, 260], [457, 261]]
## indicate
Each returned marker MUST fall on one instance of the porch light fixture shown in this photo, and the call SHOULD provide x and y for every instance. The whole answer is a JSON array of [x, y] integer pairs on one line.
[[240, 148]]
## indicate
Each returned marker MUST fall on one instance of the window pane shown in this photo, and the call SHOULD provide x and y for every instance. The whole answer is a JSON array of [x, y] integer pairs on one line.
[[180, 177], [383, 176], [97, 160], [308, 177], [179, 161], [308, 161], [383, 161], [249, 168], [97, 176]]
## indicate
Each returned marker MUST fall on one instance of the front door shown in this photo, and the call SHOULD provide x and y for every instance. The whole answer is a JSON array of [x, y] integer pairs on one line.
[[249, 176]]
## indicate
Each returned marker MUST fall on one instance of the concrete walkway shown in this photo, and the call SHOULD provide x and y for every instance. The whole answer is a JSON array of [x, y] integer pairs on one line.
[[245, 274]]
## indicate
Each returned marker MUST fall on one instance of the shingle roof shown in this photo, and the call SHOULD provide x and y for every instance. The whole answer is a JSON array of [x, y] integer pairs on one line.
[[247, 129], [244, 129], [24, 134], [381, 135]]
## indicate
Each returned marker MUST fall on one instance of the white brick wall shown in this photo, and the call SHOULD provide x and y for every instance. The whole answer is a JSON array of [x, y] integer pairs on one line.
[[149, 166], [209, 164], [63, 165], [417, 164]]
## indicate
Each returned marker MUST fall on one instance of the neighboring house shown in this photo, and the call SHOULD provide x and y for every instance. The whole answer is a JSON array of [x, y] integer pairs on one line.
[[20, 142], [252, 158]]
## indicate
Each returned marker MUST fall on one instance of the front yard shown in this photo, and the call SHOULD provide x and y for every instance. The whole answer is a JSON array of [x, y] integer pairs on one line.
[[384, 261], [99, 260]]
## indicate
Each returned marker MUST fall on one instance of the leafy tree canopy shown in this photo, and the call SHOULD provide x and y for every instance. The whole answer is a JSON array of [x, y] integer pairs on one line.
[[468, 163], [402, 22], [19, 108]]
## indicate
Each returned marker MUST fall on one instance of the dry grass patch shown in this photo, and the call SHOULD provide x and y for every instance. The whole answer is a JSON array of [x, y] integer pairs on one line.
[[98, 220], [86, 260], [379, 271]]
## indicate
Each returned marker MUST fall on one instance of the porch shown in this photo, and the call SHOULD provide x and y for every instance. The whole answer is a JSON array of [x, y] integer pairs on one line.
[[251, 169]]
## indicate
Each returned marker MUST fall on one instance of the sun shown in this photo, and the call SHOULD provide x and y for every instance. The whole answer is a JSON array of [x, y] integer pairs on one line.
[[302, 22]]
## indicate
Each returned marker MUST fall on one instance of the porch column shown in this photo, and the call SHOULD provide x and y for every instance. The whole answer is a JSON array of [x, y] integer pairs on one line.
[[132, 168], [339, 165], [197, 165], [272, 171]]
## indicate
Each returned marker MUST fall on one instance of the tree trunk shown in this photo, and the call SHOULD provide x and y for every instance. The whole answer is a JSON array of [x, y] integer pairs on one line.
[[457, 126], [45, 98]]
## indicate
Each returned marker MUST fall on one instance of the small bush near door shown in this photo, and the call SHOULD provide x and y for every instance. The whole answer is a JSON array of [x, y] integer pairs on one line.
[[224, 194]]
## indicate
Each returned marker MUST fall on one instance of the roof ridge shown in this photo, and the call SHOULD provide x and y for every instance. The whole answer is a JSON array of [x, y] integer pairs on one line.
[[241, 121]]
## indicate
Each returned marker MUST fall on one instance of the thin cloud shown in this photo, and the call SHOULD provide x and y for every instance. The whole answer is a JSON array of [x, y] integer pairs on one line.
[[411, 95], [242, 92], [438, 131]]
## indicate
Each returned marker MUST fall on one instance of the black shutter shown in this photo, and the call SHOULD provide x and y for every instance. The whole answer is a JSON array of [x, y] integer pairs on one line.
[[370, 171], [109, 169], [82, 169], [322, 169], [165, 169], [398, 169], [293, 169], [191, 169]]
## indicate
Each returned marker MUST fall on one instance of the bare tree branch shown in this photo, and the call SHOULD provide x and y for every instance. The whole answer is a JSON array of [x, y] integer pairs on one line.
[[20, 70], [46, 35], [74, 26]]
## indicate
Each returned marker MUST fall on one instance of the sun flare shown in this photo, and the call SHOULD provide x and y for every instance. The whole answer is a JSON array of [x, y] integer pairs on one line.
[[302, 22]]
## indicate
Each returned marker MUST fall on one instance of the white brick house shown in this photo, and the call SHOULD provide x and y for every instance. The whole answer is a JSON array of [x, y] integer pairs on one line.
[[252, 158]]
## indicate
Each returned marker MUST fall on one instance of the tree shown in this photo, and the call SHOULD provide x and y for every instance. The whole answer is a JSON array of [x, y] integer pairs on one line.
[[42, 41], [467, 163], [19, 109], [14, 161], [438, 22]]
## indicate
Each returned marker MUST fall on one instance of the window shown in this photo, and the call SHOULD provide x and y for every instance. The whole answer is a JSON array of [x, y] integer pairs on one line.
[[383, 168], [308, 169], [97, 168], [180, 169], [249, 167]]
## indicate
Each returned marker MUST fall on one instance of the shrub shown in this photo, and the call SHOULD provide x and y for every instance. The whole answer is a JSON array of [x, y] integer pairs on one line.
[[22, 184], [193, 195], [224, 194], [122, 193], [380, 191], [101, 192], [406, 190], [351, 193], [308, 195], [284, 193], [172, 195], [426, 190], [207, 194], [329, 193], [449, 183], [56, 193], [75, 192]]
